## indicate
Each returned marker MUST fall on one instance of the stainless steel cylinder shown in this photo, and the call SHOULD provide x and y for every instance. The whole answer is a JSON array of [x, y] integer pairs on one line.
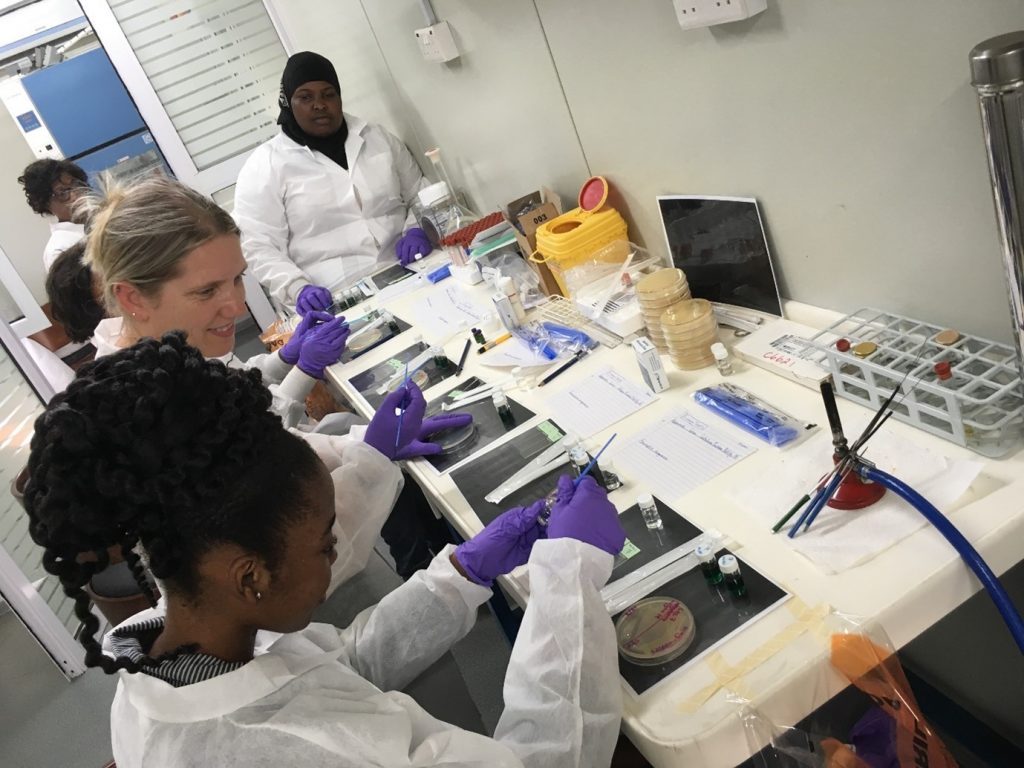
[[997, 73]]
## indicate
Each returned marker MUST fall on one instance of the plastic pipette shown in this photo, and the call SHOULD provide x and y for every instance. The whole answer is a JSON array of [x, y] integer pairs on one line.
[[401, 411]]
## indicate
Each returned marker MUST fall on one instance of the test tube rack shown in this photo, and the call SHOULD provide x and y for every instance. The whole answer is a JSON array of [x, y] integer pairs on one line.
[[980, 407]]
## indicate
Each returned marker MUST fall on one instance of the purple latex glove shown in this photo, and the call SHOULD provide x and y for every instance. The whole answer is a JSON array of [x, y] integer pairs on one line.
[[874, 737], [433, 424], [323, 346], [383, 432], [502, 546], [290, 351], [313, 298], [412, 242], [586, 514]]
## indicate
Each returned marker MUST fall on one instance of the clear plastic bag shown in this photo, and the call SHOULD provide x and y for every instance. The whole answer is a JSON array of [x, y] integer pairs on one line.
[[875, 723], [507, 262], [754, 415]]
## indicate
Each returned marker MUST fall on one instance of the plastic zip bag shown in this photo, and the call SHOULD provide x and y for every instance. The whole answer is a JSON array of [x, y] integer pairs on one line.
[[752, 414]]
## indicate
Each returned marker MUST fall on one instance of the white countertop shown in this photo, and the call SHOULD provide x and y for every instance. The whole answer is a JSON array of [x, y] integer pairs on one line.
[[778, 662]]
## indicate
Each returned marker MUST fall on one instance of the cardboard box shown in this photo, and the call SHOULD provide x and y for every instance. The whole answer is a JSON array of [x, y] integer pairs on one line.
[[525, 228], [651, 367], [779, 347]]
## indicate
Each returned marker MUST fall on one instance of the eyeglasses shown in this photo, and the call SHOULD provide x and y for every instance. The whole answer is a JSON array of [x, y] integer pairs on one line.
[[63, 194]]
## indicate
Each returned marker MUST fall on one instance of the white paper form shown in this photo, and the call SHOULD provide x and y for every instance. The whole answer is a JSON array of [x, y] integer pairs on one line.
[[675, 456], [448, 311], [598, 401]]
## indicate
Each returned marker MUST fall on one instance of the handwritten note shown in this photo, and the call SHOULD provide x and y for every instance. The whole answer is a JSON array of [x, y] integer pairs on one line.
[[447, 311], [598, 401], [675, 456]]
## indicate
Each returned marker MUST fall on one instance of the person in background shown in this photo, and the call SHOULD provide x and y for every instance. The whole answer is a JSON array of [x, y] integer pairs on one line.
[[52, 187], [168, 258], [328, 197], [230, 671], [75, 295]]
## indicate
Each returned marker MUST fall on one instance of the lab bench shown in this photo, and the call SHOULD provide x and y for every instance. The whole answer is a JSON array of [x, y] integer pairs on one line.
[[779, 663]]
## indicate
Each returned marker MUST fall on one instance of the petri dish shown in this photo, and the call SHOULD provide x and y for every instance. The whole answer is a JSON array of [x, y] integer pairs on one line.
[[361, 341], [654, 631], [663, 281], [455, 439], [421, 379], [688, 314]]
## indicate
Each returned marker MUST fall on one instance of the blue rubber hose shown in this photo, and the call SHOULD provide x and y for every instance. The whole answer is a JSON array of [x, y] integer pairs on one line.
[[969, 554]]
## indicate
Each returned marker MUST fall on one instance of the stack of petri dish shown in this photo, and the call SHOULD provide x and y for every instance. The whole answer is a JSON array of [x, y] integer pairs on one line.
[[689, 329], [657, 292]]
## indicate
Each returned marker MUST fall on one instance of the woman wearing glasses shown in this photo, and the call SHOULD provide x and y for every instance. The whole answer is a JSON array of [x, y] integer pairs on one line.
[[51, 188]]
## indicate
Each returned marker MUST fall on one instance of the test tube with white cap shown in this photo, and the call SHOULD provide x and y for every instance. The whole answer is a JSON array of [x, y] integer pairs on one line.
[[730, 568], [649, 509]]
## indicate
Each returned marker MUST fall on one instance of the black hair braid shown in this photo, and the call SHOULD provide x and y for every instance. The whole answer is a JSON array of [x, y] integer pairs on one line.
[[157, 446]]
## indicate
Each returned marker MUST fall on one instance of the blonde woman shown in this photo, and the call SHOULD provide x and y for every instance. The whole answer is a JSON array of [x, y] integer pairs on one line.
[[169, 258]]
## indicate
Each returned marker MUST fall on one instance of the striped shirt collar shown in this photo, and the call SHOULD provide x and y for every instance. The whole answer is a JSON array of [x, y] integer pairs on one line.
[[132, 641]]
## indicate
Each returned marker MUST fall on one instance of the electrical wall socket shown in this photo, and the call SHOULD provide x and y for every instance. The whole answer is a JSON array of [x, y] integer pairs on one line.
[[437, 43], [705, 13]]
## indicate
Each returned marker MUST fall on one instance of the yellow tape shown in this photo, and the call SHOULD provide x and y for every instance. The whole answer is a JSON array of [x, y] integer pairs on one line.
[[807, 619]]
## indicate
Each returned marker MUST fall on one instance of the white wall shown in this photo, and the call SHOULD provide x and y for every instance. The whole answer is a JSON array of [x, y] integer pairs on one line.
[[854, 123], [23, 233]]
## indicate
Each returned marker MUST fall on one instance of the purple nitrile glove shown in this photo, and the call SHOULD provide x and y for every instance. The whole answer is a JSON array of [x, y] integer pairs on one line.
[[412, 242], [422, 445], [586, 514], [323, 346], [383, 430], [313, 298], [290, 351], [502, 546]]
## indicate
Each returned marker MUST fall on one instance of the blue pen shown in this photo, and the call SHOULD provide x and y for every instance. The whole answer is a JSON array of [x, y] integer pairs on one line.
[[401, 411]]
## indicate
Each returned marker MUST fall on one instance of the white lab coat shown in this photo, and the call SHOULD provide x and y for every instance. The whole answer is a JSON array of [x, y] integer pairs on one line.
[[328, 697], [305, 219], [63, 234], [366, 483], [288, 385]]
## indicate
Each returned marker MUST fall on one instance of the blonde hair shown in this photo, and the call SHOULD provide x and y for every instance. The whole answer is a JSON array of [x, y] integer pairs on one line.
[[138, 232]]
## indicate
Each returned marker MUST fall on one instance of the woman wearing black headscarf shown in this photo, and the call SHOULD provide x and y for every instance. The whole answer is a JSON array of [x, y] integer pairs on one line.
[[326, 199]]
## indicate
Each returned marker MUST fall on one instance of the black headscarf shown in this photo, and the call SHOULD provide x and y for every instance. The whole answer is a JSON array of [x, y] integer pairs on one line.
[[302, 68]]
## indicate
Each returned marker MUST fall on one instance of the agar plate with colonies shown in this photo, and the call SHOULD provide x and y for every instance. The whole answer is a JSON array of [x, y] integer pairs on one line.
[[654, 631]]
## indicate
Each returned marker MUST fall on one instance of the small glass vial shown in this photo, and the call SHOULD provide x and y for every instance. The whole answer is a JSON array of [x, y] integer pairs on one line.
[[722, 359], [649, 509], [708, 563], [478, 336], [390, 321], [730, 568], [507, 287], [612, 481], [503, 408], [441, 361], [578, 459]]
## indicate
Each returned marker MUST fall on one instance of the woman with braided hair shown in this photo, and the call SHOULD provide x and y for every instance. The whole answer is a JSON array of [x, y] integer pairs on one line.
[[159, 450], [169, 258]]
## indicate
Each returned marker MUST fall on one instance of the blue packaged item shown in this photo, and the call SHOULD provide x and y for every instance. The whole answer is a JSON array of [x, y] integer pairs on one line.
[[572, 337], [440, 274], [537, 341], [752, 414]]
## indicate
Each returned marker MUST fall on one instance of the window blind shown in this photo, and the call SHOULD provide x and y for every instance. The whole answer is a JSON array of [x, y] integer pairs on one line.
[[215, 66]]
